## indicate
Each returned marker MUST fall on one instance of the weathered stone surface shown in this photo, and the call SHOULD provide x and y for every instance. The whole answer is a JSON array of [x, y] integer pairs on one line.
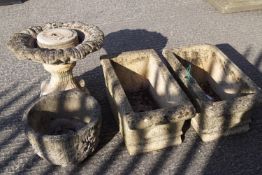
[[223, 95], [63, 128], [148, 103], [23, 44], [230, 6]]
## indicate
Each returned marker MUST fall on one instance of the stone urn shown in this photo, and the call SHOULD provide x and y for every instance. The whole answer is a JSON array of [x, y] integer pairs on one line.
[[63, 128], [57, 46]]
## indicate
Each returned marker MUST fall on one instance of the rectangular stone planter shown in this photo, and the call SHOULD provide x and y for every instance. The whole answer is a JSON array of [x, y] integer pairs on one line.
[[222, 94], [146, 100], [230, 6]]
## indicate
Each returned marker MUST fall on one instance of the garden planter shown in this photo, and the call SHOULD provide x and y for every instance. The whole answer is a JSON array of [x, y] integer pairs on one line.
[[147, 101], [223, 95], [63, 128]]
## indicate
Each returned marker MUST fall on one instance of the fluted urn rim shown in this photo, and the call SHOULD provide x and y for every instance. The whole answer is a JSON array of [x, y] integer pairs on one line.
[[24, 43]]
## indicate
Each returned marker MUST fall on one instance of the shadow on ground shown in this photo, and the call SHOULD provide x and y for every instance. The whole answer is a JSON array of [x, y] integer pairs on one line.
[[11, 2], [128, 40]]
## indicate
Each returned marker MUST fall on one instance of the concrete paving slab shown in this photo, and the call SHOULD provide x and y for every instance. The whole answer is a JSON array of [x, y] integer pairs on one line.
[[230, 6]]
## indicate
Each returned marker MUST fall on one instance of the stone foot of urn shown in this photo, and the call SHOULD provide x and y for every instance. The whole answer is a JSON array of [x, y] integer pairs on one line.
[[63, 128]]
